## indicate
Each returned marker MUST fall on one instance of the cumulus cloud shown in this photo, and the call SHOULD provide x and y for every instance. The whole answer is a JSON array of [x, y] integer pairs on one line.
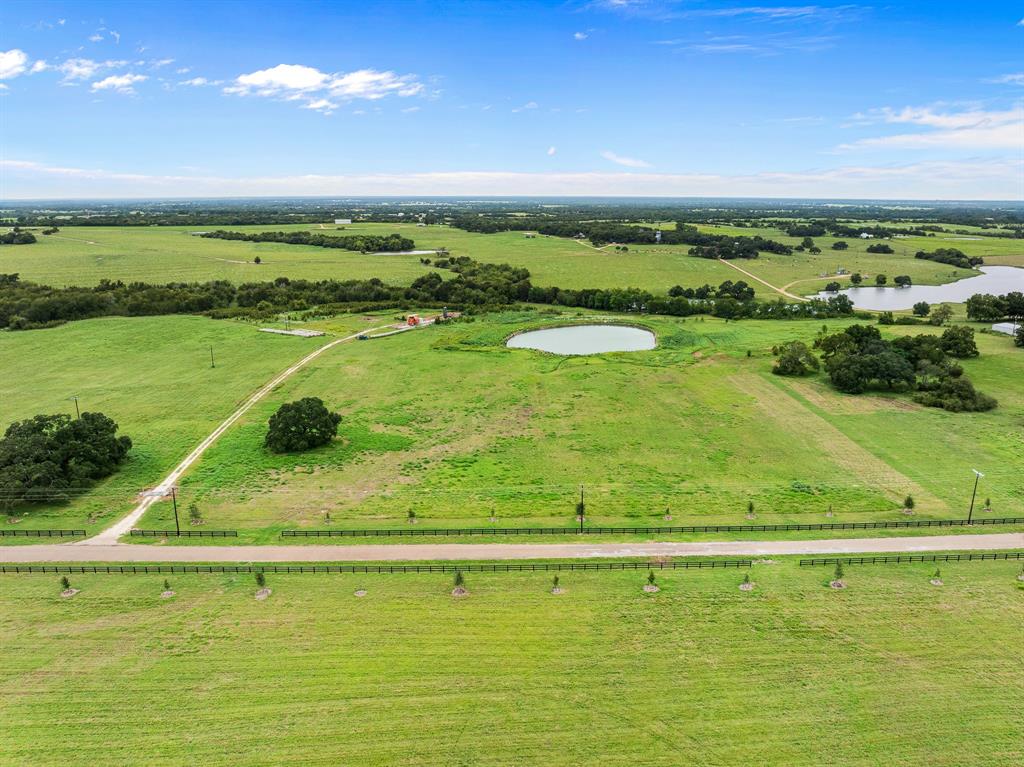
[[296, 82], [551, 151], [580, 36], [994, 179], [628, 162], [321, 105], [12, 63], [965, 129], [119, 83]]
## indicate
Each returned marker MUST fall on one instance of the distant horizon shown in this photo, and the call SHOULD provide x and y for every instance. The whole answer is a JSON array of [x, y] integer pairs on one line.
[[495, 198]]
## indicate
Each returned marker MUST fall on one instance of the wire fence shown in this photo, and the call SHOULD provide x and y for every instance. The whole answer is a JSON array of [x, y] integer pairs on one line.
[[42, 533], [515, 567], [908, 558], [454, 531], [184, 533]]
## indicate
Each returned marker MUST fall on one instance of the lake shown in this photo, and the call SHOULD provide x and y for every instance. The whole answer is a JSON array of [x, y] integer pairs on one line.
[[997, 280], [585, 339]]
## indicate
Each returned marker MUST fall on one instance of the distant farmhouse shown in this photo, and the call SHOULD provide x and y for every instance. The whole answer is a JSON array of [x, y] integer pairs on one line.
[[342, 221]]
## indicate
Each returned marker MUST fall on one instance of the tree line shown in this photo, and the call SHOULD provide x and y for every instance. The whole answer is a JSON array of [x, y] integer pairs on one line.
[[472, 286], [363, 243], [951, 256], [17, 237]]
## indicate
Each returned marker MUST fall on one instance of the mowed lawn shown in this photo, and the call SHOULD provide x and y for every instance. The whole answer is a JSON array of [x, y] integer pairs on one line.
[[447, 423], [152, 376], [85, 255], [891, 670]]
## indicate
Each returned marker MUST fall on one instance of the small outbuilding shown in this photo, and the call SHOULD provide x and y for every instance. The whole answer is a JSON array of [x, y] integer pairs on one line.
[[1010, 328]]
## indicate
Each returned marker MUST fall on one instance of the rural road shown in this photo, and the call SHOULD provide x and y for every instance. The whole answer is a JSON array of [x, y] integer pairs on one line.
[[472, 551], [782, 291], [126, 523]]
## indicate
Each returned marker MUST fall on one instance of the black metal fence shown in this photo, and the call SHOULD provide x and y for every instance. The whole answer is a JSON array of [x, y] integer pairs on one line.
[[43, 533], [907, 558], [185, 533], [514, 567], [455, 531]]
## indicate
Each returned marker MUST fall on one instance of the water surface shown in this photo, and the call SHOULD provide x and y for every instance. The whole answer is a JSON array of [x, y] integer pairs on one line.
[[585, 339], [997, 280]]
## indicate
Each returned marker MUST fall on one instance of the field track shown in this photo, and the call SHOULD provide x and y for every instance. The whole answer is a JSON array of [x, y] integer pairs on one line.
[[471, 551], [126, 523]]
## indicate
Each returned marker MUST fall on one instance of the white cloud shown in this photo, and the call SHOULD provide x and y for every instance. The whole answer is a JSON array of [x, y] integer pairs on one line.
[[182, 70], [116, 36], [39, 66], [296, 82], [119, 83], [4, 87], [969, 129], [526, 106], [83, 69], [1016, 78], [551, 151], [198, 82], [994, 179], [410, 110], [580, 36], [628, 162], [158, 63], [12, 63], [95, 38], [321, 105]]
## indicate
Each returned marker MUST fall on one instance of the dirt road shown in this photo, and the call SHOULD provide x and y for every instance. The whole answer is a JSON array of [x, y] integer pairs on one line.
[[123, 525], [111, 552], [781, 291]]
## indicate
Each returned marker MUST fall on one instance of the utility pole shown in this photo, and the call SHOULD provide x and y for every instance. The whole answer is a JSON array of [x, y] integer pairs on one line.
[[977, 476], [211, 358], [78, 413], [583, 509], [174, 500]]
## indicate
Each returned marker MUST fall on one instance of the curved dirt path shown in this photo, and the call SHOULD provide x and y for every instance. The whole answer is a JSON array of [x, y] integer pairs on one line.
[[123, 525], [781, 291], [124, 552]]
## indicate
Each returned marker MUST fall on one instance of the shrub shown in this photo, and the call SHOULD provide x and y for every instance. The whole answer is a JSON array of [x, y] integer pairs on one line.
[[908, 503], [460, 579], [650, 577], [301, 425], [837, 575], [65, 584], [795, 359], [261, 579], [921, 308]]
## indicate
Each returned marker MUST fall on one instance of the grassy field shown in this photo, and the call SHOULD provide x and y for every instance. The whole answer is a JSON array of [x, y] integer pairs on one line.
[[153, 376], [84, 255], [448, 423], [891, 670]]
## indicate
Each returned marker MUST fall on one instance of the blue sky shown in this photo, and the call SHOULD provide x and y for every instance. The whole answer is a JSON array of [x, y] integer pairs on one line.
[[610, 97]]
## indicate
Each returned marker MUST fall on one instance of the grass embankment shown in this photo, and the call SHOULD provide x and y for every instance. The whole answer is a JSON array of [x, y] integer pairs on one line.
[[890, 670], [451, 425], [84, 255]]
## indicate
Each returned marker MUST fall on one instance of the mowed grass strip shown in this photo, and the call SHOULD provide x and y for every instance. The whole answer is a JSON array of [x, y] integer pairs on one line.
[[890, 670]]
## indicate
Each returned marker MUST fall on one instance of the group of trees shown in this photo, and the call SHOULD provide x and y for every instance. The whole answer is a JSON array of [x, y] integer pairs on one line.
[[858, 359], [50, 457], [17, 236], [738, 247], [951, 256], [364, 243], [986, 307], [880, 247], [740, 290]]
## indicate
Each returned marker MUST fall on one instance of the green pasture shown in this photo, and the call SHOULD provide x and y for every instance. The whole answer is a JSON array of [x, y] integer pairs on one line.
[[85, 255], [449, 424], [891, 670]]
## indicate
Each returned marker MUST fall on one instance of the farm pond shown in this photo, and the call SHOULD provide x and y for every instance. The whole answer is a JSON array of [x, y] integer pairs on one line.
[[997, 280], [585, 339]]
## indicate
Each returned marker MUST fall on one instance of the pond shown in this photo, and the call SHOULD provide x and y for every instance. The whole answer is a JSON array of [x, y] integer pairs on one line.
[[585, 339], [997, 280]]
